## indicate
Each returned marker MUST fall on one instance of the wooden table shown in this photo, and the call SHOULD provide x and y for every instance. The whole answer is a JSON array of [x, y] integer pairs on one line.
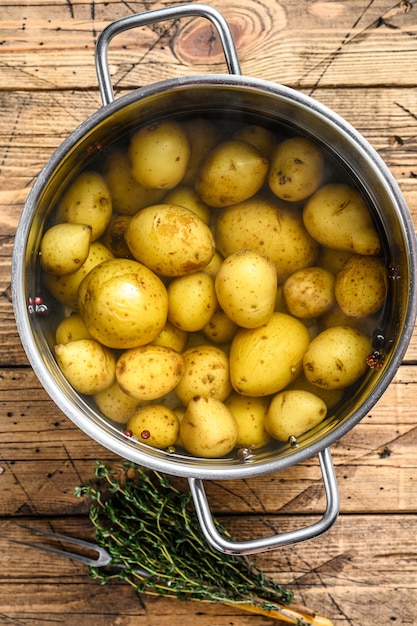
[[359, 57]]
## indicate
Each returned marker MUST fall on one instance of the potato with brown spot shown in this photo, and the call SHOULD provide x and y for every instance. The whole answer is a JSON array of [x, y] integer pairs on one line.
[[361, 286], [293, 413], [208, 429], [156, 425], [206, 373]]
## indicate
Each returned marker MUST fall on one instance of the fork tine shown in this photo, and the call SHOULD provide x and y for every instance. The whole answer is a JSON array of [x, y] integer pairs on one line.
[[103, 557]]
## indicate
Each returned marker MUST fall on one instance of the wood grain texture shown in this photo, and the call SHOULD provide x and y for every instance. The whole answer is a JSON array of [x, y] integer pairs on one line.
[[359, 58]]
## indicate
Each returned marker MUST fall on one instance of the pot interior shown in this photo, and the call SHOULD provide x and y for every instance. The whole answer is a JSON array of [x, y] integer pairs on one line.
[[228, 100]]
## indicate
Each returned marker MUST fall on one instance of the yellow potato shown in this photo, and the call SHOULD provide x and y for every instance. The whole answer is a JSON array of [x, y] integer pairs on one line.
[[206, 373], [149, 372], [155, 425], [309, 292], [128, 195], [361, 286], [249, 414], [337, 216], [191, 301], [293, 413], [220, 329], [264, 360], [87, 201], [171, 337], [188, 198], [270, 228], [296, 169], [246, 288], [114, 236], [71, 328], [203, 136], [214, 265], [159, 154], [336, 358], [87, 365], [259, 137], [170, 240], [208, 429], [333, 260], [123, 303], [336, 317], [64, 248], [65, 288], [116, 404], [233, 172]]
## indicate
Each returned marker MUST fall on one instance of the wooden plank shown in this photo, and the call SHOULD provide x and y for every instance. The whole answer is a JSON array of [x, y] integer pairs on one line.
[[321, 573], [345, 44]]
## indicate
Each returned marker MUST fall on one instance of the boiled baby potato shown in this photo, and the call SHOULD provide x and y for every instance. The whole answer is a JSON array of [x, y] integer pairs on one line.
[[292, 413], [191, 301], [361, 286], [65, 288], [171, 240], [206, 373], [233, 172], [249, 414], [171, 337], [64, 248], [87, 201], [115, 404], [264, 360], [309, 292], [203, 136], [257, 136], [296, 169], [128, 195], [188, 198], [336, 317], [333, 260], [155, 425], [336, 358], [87, 365], [269, 227], [159, 154], [220, 329], [149, 372], [123, 303], [329, 396], [71, 328], [337, 216], [246, 288], [208, 429]]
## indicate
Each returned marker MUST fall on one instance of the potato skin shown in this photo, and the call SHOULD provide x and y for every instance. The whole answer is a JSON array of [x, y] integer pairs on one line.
[[169, 239], [233, 172], [249, 414], [264, 360], [336, 358], [159, 154], [154, 424], [309, 292], [337, 217], [361, 286], [296, 169], [246, 288], [87, 201], [149, 372], [191, 301], [269, 227], [292, 413], [64, 248], [88, 366], [208, 429], [123, 304], [116, 404], [206, 373]]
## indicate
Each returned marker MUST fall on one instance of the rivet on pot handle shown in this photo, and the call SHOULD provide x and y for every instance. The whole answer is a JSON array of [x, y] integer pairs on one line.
[[158, 15], [277, 541]]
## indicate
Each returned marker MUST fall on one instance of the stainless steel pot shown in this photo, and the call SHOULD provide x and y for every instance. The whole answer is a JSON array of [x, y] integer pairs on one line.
[[252, 100]]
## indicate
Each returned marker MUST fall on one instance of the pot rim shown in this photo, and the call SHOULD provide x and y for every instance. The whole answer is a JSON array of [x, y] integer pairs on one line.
[[104, 434]]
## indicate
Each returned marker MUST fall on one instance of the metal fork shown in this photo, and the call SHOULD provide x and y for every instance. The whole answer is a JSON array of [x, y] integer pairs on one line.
[[102, 559]]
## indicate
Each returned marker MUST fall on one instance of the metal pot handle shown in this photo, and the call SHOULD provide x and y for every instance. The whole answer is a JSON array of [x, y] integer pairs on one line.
[[277, 541], [158, 15]]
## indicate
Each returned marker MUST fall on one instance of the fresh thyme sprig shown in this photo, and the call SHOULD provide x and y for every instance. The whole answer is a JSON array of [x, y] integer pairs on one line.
[[146, 523]]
